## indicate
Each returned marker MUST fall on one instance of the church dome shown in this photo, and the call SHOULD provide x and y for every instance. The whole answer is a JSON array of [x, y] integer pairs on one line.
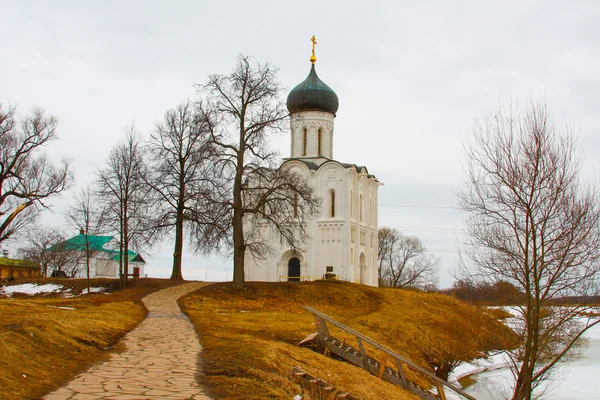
[[312, 95]]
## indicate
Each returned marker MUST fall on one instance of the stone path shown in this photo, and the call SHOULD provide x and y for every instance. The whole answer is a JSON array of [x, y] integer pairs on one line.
[[160, 360]]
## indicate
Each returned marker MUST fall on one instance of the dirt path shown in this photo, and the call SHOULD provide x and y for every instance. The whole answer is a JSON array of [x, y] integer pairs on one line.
[[160, 360]]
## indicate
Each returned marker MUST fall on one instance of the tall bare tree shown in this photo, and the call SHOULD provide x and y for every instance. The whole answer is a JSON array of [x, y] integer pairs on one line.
[[182, 178], [404, 261], [27, 178], [534, 225], [243, 109], [86, 215], [126, 198]]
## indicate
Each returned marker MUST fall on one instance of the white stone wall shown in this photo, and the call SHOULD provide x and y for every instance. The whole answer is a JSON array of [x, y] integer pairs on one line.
[[330, 241]]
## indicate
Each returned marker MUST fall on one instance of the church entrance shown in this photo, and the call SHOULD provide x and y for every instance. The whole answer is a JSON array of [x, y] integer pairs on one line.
[[294, 269]]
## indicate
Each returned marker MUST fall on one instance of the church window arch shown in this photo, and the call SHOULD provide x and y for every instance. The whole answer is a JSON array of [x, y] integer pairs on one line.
[[361, 208], [319, 134], [332, 203], [295, 204], [305, 141]]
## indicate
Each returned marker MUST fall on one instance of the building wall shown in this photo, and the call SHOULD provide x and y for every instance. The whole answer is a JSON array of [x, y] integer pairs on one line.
[[336, 241], [7, 271], [103, 267]]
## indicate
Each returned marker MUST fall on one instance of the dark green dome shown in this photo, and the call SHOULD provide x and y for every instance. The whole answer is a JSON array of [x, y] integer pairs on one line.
[[312, 95]]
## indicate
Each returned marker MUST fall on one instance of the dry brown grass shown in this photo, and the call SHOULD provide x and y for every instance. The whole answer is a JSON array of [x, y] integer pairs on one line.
[[497, 313], [44, 346], [250, 337]]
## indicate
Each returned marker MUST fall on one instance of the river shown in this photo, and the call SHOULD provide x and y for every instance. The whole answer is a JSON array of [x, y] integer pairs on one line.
[[579, 379]]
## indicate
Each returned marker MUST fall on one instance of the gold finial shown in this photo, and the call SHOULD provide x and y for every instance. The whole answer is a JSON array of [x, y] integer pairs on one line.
[[313, 58]]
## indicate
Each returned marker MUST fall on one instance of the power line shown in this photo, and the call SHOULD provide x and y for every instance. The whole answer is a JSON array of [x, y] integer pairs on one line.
[[432, 229], [419, 206]]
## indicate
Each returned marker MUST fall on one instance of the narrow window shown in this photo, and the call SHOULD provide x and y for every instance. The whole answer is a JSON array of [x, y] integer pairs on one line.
[[305, 141], [332, 214], [295, 204], [319, 142], [361, 208]]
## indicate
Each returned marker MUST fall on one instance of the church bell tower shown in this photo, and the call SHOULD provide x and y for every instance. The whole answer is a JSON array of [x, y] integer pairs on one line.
[[312, 106]]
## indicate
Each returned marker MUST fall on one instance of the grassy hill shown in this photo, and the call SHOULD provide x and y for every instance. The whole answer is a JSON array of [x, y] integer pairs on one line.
[[250, 337]]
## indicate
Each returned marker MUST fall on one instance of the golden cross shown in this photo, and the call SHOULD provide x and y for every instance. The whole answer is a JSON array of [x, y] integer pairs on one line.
[[313, 58]]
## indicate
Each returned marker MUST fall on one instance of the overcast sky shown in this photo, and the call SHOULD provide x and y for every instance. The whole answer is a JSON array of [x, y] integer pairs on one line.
[[410, 76]]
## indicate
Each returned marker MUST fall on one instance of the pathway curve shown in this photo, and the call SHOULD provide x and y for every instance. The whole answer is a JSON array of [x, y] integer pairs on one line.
[[160, 360]]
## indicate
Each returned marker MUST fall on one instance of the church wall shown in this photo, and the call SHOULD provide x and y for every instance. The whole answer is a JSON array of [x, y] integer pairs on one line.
[[330, 238]]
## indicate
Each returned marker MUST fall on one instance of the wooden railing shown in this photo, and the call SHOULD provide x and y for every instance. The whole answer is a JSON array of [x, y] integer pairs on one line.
[[379, 368]]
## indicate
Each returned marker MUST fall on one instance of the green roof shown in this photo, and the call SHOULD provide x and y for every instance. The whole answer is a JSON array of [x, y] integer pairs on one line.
[[312, 94], [97, 243], [133, 256], [77, 243]]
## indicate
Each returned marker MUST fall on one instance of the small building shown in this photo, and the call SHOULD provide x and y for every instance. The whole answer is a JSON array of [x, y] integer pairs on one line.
[[104, 256], [12, 268]]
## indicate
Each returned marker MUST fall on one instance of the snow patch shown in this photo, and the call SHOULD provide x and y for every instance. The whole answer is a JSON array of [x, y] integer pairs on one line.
[[30, 289], [62, 308]]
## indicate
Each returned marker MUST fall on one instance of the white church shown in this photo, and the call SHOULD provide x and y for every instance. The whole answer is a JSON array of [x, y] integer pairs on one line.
[[342, 240]]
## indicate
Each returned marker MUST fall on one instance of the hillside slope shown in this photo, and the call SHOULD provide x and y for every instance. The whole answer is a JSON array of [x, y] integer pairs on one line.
[[250, 337]]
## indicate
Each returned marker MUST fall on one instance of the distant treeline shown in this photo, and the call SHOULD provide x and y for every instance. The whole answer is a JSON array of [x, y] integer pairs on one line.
[[503, 293]]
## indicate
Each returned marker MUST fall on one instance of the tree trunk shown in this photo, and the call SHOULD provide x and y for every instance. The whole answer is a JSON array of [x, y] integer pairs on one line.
[[523, 386], [239, 248], [121, 277], [87, 261], [125, 244], [238, 252], [176, 274]]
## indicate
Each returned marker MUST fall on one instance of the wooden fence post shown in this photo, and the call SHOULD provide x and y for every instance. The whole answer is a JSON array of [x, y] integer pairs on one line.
[[363, 353], [402, 374]]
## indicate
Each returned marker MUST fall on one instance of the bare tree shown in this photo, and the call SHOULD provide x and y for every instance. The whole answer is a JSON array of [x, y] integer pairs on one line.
[[182, 178], [27, 178], [534, 225], [126, 199], [42, 246], [86, 216], [243, 109], [404, 261]]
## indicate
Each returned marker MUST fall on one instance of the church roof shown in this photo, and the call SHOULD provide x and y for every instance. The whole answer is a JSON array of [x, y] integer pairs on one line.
[[313, 166], [312, 94]]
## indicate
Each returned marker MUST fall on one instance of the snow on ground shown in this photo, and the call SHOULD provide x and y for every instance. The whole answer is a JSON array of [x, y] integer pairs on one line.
[[575, 380], [30, 289], [62, 308]]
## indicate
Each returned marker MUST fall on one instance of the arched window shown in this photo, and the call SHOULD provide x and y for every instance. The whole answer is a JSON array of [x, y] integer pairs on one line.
[[361, 208], [295, 204], [332, 205], [305, 141], [319, 142]]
